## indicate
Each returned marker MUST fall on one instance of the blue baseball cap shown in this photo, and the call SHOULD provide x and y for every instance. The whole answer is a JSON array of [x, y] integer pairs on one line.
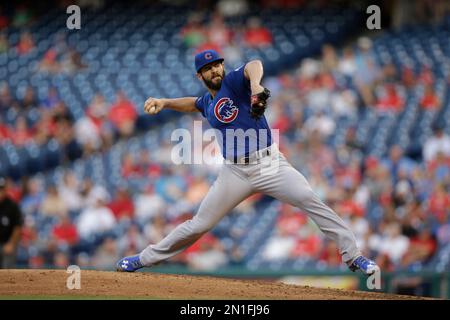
[[206, 57]]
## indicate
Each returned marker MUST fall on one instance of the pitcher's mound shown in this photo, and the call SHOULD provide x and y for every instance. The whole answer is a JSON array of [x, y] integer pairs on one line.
[[108, 285]]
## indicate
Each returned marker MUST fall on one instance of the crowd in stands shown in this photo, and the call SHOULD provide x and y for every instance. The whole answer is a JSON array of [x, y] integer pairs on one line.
[[79, 221]]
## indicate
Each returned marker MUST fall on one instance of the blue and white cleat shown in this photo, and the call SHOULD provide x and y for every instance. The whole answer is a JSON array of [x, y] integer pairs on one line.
[[129, 264], [367, 266]]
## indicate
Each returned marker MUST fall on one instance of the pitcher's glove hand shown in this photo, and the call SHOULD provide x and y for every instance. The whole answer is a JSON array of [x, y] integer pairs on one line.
[[259, 103]]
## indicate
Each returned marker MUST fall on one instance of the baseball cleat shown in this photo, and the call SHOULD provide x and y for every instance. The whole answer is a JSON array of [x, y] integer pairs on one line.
[[367, 266], [129, 264]]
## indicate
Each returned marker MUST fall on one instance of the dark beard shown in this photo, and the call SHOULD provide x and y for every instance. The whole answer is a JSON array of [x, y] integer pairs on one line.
[[211, 85]]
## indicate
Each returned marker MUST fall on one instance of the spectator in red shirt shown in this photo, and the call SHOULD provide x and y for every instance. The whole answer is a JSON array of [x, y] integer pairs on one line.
[[257, 35], [290, 220], [439, 203], [421, 249], [391, 101], [349, 207], [122, 115], [122, 205], [26, 43], [330, 255], [430, 101], [4, 130], [49, 62], [129, 167], [65, 232], [408, 77], [426, 76], [22, 134]]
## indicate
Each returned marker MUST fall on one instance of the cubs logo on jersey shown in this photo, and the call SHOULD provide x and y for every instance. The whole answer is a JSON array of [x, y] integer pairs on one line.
[[225, 111]]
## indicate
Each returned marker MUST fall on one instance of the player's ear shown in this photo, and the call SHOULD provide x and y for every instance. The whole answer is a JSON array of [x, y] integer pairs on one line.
[[199, 76]]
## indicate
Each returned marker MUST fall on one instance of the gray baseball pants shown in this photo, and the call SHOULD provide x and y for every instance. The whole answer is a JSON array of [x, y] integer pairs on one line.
[[271, 175]]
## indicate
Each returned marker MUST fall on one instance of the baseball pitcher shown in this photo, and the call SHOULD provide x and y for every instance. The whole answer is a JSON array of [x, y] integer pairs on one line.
[[235, 102]]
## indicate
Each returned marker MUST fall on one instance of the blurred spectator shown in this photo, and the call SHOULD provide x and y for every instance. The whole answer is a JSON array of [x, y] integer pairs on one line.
[[52, 100], [439, 203], [257, 35], [443, 232], [197, 190], [193, 33], [65, 232], [308, 243], [5, 130], [232, 52], [26, 43], [279, 246], [206, 254], [390, 101], [53, 204], [429, 101], [361, 228], [421, 248], [4, 44], [148, 204], [29, 100], [347, 65], [439, 168], [396, 162], [344, 103], [65, 135], [22, 16], [122, 115], [4, 20], [230, 8], [218, 32], [97, 218], [408, 77], [290, 220], [320, 123], [69, 191], [129, 167], [330, 255], [61, 260], [33, 196], [156, 229], [45, 128], [132, 240], [390, 244], [426, 76], [329, 58], [21, 133], [348, 207], [49, 62], [92, 130], [10, 228], [72, 62], [122, 205], [106, 255], [91, 193], [7, 101], [438, 143]]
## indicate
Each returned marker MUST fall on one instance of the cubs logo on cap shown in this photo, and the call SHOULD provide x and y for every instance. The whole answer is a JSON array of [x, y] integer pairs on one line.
[[206, 57]]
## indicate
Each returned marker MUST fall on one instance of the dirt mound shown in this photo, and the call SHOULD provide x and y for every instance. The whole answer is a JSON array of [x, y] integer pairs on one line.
[[102, 284]]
